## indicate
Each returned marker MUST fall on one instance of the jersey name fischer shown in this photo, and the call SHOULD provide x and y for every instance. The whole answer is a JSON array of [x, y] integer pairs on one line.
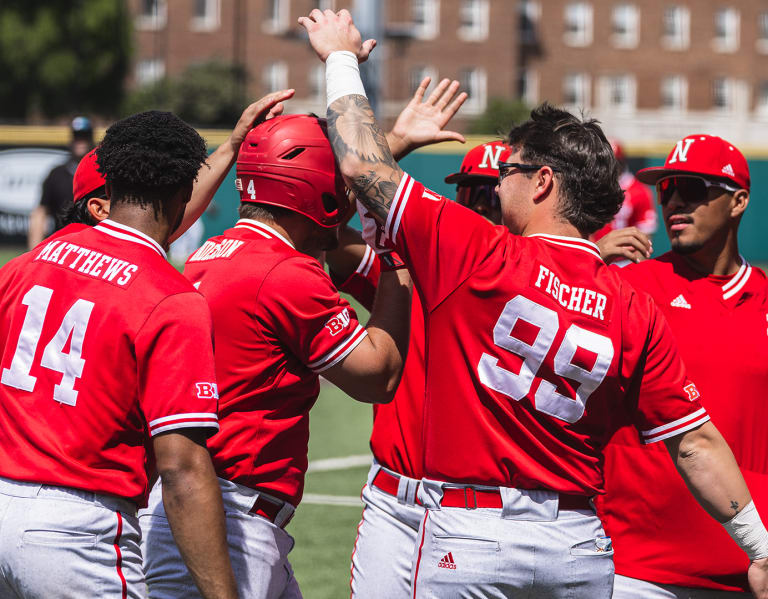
[[88, 262], [576, 299]]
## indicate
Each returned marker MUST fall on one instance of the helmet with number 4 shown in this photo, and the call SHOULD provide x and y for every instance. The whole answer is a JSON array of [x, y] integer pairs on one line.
[[288, 162]]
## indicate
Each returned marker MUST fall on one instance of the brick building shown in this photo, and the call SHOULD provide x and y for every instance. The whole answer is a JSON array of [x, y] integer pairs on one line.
[[649, 70]]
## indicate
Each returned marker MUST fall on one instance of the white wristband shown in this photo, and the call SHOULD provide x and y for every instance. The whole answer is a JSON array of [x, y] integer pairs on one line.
[[748, 531], [342, 76]]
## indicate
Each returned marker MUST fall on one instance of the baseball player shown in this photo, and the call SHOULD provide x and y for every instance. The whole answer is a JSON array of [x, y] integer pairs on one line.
[[532, 343], [279, 323], [105, 347], [665, 544]]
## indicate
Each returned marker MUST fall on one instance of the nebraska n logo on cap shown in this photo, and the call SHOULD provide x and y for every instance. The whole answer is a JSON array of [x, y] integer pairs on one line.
[[681, 150], [492, 154]]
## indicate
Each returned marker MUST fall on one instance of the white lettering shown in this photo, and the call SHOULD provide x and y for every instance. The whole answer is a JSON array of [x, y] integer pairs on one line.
[[70, 247], [89, 261], [542, 273], [96, 270], [600, 306], [130, 270], [560, 300], [81, 252], [43, 255], [115, 267], [589, 297], [491, 154], [576, 295], [681, 151]]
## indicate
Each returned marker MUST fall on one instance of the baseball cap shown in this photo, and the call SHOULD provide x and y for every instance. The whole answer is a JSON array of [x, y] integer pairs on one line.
[[481, 161], [705, 155], [87, 176], [82, 128]]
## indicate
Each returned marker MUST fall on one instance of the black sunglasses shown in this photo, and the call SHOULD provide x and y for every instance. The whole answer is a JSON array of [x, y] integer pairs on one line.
[[505, 167], [473, 195], [691, 189]]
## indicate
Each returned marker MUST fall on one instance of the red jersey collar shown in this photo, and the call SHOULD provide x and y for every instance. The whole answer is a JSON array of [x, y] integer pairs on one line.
[[737, 281], [570, 242], [262, 229], [126, 233]]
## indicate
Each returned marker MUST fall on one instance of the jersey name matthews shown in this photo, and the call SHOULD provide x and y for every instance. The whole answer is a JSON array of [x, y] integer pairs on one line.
[[88, 262]]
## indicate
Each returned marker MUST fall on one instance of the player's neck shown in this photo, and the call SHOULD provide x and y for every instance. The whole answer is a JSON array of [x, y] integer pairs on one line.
[[143, 220], [546, 224], [719, 257], [285, 226]]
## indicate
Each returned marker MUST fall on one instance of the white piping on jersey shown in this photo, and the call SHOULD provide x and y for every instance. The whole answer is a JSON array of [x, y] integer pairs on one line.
[[206, 415], [127, 233], [190, 424], [367, 262], [677, 431], [675, 423], [398, 206], [261, 229], [189, 420], [738, 281], [570, 242], [341, 350]]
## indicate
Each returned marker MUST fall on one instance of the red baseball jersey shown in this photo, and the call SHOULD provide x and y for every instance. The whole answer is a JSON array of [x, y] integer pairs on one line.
[[637, 210], [721, 328], [396, 439], [103, 344], [532, 343], [279, 322]]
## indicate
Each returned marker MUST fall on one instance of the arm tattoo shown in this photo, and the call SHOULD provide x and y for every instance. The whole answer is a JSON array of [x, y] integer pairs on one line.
[[735, 506], [371, 170]]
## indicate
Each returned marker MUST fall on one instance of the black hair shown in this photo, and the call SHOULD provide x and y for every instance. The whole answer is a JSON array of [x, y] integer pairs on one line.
[[263, 212], [150, 156], [78, 212], [587, 170]]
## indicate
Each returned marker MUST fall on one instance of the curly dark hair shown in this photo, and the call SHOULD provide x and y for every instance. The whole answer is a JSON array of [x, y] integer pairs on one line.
[[149, 156], [588, 172]]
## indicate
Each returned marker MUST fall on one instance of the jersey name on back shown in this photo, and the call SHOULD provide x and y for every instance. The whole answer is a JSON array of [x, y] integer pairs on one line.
[[88, 262]]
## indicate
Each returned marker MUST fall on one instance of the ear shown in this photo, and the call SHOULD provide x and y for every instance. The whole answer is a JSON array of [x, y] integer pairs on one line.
[[98, 208], [544, 180], [739, 203]]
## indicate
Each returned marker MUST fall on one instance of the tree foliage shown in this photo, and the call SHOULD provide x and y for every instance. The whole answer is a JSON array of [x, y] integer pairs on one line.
[[207, 94], [499, 116], [62, 57]]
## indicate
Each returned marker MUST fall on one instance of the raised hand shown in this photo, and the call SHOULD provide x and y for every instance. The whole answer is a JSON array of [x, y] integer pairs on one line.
[[267, 107], [422, 122], [330, 32], [629, 243]]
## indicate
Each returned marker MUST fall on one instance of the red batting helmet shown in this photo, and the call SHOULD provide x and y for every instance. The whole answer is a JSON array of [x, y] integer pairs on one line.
[[87, 177], [287, 161], [481, 161]]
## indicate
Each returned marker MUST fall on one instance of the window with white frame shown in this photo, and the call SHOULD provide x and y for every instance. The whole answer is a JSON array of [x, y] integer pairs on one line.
[[278, 16], [530, 13], [727, 29], [625, 25], [529, 86], [762, 33], [676, 27], [149, 71], [425, 16], [578, 24], [761, 102], [474, 17], [153, 14], [207, 15], [417, 76], [674, 92], [618, 92], [576, 90], [475, 83], [317, 83], [275, 76], [722, 94]]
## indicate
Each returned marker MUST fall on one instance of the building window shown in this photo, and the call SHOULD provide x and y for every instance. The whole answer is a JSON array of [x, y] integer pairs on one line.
[[578, 24], [674, 93], [278, 16], [576, 90], [474, 15], [762, 33], [618, 92], [677, 28], [474, 82], [317, 83], [425, 15], [727, 28], [761, 103], [625, 24], [529, 86], [530, 12], [149, 71], [207, 15], [153, 15], [275, 76], [417, 75]]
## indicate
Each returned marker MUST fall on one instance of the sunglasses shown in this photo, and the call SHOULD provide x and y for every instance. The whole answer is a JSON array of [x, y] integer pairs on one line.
[[505, 167], [691, 190], [474, 195]]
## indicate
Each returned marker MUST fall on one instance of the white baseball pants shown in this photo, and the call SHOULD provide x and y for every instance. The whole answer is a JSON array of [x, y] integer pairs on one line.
[[258, 550], [528, 548], [386, 539], [634, 588], [66, 543]]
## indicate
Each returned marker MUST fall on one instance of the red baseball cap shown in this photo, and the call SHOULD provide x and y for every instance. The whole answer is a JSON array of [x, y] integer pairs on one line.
[[481, 161], [87, 176], [705, 155]]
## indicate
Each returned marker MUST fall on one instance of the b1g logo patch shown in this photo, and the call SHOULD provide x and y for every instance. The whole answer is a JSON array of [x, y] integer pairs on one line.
[[692, 391], [338, 323], [207, 391]]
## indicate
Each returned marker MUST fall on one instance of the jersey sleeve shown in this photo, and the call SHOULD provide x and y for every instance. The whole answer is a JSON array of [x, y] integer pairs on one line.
[[667, 400], [362, 283], [177, 375], [441, 241], [318, 326]]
